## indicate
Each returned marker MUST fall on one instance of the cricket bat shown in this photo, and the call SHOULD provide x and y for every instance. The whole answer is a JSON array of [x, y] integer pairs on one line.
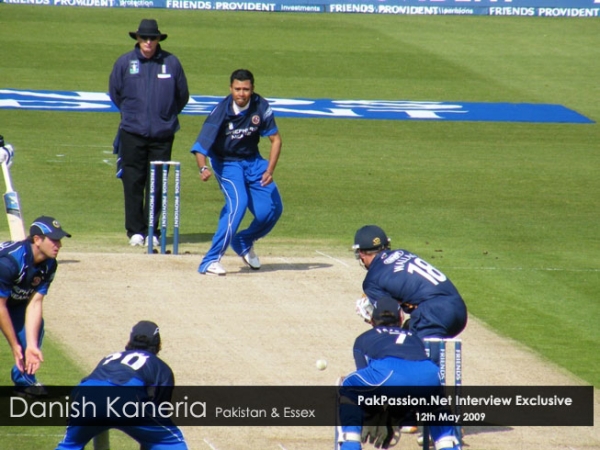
[[13, 208]]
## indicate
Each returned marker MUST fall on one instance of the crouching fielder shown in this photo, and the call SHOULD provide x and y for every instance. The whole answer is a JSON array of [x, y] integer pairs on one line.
[[146, 378], [388, 360]]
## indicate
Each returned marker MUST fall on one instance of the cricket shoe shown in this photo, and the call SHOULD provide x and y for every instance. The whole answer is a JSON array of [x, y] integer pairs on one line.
[[421, 439], [409, 429], [251, 259], [137, 240], [215, 269], [37, 390], [447, 443], [155, 241]]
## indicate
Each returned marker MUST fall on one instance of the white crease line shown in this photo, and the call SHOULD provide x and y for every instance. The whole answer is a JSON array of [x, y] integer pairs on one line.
[[285, 260], [209, 444], [331, 257], [535, 269], [281, 446]]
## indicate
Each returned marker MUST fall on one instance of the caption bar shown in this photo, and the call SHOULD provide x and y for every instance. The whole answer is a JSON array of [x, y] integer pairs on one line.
[[298, 406]]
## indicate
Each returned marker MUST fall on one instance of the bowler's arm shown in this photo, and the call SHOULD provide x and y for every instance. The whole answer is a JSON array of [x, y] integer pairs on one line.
[[33, 325], [273, 158]]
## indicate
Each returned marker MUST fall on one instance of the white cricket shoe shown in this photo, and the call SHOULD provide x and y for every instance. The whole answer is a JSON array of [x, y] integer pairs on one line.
[[251, 259], [155, 241], [216, 269], [409, 429], [137, 240]]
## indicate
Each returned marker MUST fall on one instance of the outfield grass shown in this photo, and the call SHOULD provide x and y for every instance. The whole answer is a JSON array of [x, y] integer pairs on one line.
[[509, 211]]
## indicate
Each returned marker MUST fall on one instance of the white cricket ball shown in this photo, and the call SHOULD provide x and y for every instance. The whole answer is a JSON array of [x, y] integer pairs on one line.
[[321, 364]]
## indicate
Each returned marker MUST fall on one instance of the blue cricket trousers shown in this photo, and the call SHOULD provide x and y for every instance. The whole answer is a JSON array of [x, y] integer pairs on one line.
[[389, 372], [17, 316], [240, 183]]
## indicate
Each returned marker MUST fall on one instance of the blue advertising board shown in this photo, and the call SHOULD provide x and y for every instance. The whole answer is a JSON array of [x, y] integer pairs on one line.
[[532, 8], [315, 108]]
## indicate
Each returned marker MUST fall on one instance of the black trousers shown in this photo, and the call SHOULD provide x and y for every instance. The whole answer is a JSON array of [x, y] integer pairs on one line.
[[136, 154]]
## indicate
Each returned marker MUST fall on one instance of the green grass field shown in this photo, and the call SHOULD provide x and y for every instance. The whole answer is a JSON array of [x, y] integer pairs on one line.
[[509, 211]]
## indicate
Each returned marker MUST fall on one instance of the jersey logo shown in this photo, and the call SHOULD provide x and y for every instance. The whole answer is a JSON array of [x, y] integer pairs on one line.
[[256, 119], [399, 258], [36, 281], [134, 67], [393, 257]]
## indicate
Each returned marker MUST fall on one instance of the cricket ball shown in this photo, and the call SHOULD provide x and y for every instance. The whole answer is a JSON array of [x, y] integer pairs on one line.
[[321, 364]]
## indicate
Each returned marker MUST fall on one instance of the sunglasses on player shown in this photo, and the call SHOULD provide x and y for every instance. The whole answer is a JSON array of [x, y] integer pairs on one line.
[[148, 38]]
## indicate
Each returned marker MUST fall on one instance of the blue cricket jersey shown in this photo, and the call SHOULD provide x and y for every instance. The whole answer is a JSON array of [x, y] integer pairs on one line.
[[230, 137], [134, 368], [384, 342], [406, 277], [19, 277]]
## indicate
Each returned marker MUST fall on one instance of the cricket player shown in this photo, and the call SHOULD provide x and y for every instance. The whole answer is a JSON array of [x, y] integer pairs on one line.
[[27, 269], [147, 378], [230, 137], [388, 357], [435, 307]]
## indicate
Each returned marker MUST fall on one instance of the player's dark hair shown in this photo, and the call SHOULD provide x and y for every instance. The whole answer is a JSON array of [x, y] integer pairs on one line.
[[143, 343], [241, 75], [388, 318], [376, 250]]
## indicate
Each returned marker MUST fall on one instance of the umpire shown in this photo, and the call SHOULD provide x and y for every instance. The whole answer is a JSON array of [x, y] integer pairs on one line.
[[149, 87]]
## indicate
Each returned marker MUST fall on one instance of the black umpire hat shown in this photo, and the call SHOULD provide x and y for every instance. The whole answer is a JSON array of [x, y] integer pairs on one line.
[[148, 27], [370, 237]]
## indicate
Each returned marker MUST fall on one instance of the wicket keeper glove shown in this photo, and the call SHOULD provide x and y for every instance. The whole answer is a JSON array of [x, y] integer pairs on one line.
[[378, 430]]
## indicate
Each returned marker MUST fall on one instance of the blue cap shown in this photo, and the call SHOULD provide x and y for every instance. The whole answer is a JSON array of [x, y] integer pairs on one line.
[[370, 237], [146, 332], [47, 226], [385, 305]]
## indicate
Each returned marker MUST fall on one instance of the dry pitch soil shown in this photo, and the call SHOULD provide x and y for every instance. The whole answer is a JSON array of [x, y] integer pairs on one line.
[[268, 327]]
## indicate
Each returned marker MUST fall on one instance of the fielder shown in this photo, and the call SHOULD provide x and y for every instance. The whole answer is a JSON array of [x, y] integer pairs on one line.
[[150, 379], [230, 137], [27, 269], [387, 356], [435, 307]]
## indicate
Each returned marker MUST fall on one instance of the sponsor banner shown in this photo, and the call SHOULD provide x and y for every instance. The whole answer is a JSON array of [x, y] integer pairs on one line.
[[315, 108], [299, 405], [533, 8]]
